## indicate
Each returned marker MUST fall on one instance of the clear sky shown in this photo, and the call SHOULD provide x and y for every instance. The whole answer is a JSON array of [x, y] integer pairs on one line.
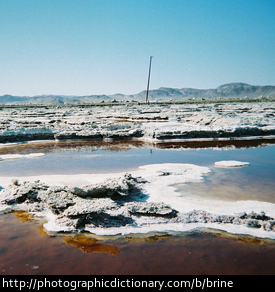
[[82, 47]]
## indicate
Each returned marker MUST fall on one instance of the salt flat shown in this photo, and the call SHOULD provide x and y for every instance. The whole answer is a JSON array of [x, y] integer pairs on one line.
[[155, 122]]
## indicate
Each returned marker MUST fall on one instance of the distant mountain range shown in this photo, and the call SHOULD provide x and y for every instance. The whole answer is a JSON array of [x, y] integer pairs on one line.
[[231, 90]]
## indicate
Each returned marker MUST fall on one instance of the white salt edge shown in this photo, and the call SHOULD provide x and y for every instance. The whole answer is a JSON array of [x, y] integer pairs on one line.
[[20, 156], [231, 163]]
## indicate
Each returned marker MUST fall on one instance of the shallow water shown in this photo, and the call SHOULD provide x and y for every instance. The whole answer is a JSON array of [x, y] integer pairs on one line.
[[255, 182], [26, 249]]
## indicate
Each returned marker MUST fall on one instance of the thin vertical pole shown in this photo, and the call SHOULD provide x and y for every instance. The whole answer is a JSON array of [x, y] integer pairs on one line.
[[147, 93]]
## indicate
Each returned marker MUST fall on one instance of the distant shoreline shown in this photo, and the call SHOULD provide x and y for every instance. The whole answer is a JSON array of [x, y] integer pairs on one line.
[[225, 93], [165, 102]]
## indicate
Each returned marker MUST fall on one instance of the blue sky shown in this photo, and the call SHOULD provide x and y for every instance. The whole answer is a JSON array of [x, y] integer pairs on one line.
[[82, 47]]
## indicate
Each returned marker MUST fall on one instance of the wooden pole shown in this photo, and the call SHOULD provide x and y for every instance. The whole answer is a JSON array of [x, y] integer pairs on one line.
[[147, 93]]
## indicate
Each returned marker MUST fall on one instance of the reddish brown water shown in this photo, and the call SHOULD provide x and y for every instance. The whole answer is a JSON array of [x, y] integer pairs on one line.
[[27, 250]]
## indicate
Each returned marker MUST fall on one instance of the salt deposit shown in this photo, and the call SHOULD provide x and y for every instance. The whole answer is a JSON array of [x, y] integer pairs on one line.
[[147, 200], [231, 163], [155, 122], [20, 156]]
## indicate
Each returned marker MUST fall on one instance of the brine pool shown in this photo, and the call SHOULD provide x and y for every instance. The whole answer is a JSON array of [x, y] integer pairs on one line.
[[25, 248]]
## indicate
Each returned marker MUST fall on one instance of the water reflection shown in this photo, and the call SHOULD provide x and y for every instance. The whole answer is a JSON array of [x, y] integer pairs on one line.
[[87, 244], [245, 239], [147, 238], [124, 145], [74, 157], [24, 216], [84, 242]]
